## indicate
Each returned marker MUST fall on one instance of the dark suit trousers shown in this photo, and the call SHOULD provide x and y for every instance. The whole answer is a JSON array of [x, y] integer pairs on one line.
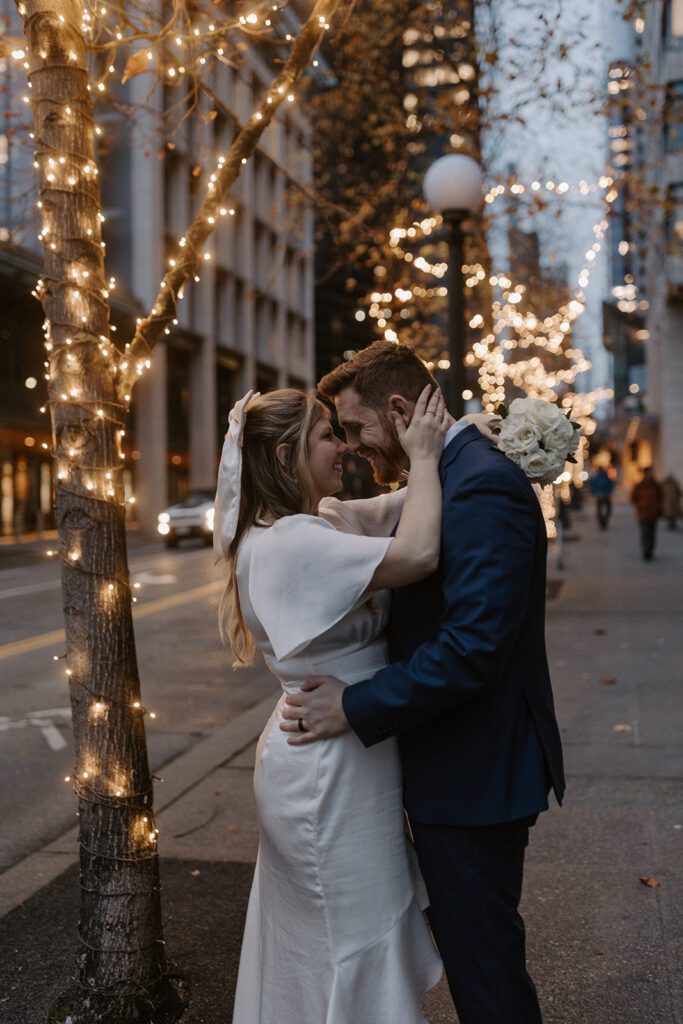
[[474, 881]]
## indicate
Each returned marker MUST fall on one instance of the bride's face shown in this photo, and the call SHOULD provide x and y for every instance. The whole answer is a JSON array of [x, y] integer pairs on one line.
[[324, 451]]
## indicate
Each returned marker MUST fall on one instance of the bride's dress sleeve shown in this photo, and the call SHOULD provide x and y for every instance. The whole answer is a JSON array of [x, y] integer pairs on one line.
[[305, 575], [374, 517]]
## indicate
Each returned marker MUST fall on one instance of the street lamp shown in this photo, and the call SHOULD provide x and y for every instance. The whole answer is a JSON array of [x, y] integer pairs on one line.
[[452, 185]]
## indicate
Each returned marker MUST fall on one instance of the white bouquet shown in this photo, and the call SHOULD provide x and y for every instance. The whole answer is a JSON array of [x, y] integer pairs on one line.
[[539, 437]]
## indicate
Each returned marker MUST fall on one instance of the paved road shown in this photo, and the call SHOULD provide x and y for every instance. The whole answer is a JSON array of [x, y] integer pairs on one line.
[[186, 680], [603, 947]]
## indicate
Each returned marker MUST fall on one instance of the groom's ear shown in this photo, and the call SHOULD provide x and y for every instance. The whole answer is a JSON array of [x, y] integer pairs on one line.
[[405, 409]]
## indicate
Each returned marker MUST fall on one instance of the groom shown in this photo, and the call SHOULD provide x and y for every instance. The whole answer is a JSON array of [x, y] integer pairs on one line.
[[468, 692]]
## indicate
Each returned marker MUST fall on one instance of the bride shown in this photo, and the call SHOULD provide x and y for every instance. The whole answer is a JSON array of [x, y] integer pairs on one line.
[[334, 931]]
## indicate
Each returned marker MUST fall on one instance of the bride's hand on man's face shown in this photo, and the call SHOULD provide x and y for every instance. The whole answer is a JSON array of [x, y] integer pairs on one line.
[[485, 422], [424, 435]]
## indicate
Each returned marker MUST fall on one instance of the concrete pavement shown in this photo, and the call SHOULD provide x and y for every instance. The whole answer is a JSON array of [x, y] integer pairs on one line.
[[603, 946]]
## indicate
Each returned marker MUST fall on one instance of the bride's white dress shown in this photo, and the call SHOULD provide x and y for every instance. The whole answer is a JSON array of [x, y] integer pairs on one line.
[[334, 932]]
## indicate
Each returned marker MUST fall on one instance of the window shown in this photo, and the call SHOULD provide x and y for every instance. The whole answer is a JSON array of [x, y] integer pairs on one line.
[[673, 118], [674, 218], [176, 212], [226, 313], [672, 24]]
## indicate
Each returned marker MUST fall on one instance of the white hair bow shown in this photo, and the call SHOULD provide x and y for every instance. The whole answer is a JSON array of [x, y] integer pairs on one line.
[[228, 491]]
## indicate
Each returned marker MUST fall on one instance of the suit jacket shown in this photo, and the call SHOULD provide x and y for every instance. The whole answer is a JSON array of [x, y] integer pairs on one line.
[[468, 692]]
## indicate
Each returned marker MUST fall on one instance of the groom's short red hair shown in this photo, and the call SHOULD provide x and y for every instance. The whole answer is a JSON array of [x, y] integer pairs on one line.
[[378, 371]]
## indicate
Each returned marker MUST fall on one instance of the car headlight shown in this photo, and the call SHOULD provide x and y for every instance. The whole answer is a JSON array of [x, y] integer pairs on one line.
[[163, 529], [208, 519], [164, 517]]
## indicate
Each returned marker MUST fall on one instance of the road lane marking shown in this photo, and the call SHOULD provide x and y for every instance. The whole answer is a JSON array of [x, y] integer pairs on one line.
[[137, 569], [43, 721], [155, 579], [30, 588], [162, 604]]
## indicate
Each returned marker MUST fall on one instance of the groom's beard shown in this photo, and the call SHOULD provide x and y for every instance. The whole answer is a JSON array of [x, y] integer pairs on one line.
[[389, 463]]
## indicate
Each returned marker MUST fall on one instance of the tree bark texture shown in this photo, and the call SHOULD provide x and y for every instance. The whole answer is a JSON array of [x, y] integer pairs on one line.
[[122, 973], [122, 969]]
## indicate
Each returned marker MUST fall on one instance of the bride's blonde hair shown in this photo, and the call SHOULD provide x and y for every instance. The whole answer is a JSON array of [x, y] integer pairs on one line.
[[276, 482]]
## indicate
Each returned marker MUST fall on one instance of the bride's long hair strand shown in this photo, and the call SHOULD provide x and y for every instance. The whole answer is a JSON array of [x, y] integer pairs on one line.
[[276, 482]]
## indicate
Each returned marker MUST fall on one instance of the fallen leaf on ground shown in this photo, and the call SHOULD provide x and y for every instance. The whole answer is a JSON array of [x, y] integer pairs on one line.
[[652, 883], [232, 828], [195, 872], [599, 632], [608, 680], [623, 728], [597, 952]]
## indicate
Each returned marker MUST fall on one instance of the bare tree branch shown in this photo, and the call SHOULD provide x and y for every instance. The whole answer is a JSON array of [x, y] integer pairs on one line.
[[189, 254]]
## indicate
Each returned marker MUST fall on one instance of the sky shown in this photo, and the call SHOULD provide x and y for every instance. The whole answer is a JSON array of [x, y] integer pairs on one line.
[[562, 139]]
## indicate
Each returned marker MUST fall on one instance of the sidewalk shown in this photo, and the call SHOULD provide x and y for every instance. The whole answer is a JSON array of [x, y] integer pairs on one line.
[[603, 947]]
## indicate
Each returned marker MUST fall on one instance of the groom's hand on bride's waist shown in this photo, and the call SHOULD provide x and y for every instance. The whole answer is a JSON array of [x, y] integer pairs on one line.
[[315, 713]]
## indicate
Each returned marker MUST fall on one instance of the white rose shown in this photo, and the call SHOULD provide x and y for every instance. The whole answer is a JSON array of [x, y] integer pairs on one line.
[[559, 436], [520, 406], [518, 436], [543, 414], [536, 464]]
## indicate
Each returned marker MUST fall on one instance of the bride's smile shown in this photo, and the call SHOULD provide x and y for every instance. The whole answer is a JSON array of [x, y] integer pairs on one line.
[[324, 451]]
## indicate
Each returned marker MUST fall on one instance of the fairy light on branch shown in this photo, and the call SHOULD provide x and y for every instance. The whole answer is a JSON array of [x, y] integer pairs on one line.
[[89, 377], [512, 326]]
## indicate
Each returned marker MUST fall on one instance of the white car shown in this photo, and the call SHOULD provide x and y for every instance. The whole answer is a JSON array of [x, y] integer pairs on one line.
[[192, 516]]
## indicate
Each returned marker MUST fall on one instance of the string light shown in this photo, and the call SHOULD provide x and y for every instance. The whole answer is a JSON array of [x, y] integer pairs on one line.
[[512, 325], [82, 339]]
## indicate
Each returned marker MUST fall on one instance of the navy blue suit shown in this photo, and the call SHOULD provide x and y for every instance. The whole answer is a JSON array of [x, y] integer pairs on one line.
[[468, 694]]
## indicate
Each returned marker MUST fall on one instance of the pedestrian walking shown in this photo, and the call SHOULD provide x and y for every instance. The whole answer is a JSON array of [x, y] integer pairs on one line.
[[647, 498], [601, 487], [671, 496]]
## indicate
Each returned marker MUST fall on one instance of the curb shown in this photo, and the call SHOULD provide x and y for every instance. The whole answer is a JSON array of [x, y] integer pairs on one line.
[[181, 775]]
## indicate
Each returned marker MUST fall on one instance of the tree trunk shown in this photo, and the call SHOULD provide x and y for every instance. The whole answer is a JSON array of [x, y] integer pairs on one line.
[[122, 972]]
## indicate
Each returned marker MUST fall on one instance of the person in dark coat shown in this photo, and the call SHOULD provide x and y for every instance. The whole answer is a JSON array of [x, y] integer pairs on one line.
[[601, 488], [648, 499], [671, 493]]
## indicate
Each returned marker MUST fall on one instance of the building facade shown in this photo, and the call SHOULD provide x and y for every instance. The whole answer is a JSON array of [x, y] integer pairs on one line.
[[247, 323], [632, 429], [662, 168]]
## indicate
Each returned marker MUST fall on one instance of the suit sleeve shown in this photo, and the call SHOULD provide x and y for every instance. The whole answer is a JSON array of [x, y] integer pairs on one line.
[[491, 526]]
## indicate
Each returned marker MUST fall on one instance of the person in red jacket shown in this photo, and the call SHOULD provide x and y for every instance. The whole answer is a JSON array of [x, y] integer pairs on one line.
[[648, 499]]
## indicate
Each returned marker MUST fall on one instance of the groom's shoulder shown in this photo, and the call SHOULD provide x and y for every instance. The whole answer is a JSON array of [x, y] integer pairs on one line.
[[480, 461]]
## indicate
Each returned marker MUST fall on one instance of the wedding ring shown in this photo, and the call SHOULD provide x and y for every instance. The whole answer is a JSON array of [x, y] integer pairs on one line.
[[301, 726]]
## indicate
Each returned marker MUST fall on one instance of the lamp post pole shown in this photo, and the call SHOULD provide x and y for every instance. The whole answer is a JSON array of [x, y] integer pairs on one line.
[[453, 185], [456, 312]]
